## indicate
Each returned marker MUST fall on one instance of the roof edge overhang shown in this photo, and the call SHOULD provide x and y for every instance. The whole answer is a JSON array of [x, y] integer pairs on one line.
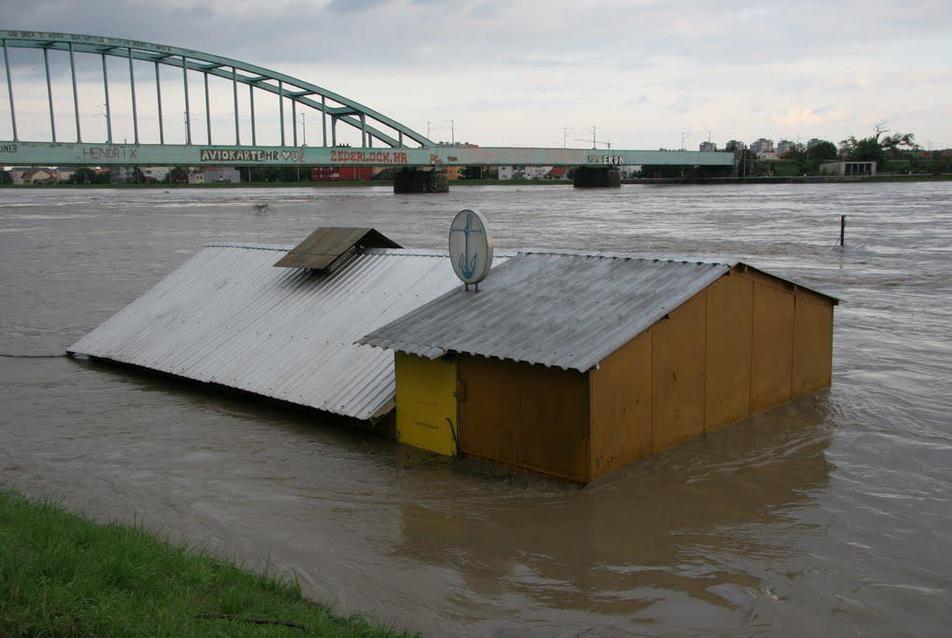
[[739, 266]]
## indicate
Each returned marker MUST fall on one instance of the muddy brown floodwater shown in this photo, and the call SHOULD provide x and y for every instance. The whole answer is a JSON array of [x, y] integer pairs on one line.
[[828, 516]]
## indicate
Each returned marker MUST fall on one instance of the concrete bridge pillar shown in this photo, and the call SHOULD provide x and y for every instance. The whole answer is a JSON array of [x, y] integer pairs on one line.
[[597, 177], [421, 180]]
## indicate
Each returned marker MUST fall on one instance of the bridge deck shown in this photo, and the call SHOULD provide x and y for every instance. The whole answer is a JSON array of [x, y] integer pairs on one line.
[[93, 154]]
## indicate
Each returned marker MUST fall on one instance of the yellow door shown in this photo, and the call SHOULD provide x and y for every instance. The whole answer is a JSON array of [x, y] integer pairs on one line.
[[426, 403]]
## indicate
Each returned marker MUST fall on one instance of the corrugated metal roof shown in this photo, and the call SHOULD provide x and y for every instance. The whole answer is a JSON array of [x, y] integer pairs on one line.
[[556, 309], [227, 317], [328, 247]]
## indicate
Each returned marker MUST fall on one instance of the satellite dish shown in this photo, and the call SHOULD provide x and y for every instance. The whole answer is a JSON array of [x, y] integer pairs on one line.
[[471, 247]]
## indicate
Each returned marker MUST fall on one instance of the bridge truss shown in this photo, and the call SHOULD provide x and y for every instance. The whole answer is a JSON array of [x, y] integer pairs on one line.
[[396, 144], [331, 106]]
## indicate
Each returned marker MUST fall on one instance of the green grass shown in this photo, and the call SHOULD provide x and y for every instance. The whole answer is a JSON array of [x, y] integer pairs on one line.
[[62, 574]]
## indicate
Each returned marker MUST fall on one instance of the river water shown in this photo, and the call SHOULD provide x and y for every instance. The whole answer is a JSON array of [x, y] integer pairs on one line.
[[830, 515]]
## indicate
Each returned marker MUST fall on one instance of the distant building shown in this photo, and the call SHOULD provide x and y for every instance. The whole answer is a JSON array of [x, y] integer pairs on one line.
[[342, 173], [848, 168], [707, 147], [524, 172], [785, 146], [222, 175], [34, 175], [126, 175], [155, 173], [511, 172], [762, 147]]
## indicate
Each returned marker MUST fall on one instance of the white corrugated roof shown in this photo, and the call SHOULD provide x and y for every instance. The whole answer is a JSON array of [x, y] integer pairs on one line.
[[227, 316], [555, 309]]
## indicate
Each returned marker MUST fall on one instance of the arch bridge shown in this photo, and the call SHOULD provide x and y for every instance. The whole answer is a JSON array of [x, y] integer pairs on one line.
[[383, 141]]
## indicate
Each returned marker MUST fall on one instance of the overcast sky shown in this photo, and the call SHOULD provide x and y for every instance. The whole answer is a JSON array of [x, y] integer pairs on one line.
[[518, 73]]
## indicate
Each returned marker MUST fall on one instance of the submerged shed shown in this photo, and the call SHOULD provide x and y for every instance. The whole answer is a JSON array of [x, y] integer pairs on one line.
[[573, 365], [228, 317]]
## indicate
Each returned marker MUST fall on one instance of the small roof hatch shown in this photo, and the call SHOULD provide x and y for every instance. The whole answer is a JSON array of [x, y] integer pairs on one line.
[[327, 248]]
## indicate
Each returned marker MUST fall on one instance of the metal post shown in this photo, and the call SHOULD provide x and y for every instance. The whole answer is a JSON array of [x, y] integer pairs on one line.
[[400, 138], [188, 117], [208, 112], [294, 119], [135, 114], [13, 113], [72, 68], [105, 89], [842, 230], [251, 99], [323, 119], [49, 90], [158, 96], [234, 85], [363, 130], [281, 108], [333, 130]]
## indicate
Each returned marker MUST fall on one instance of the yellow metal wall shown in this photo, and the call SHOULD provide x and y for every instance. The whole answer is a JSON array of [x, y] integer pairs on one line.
[[530, 416], [620, 396], [745, 344], [771, 363], [426, 403], [730, 305], [813, 345], [678, 345]]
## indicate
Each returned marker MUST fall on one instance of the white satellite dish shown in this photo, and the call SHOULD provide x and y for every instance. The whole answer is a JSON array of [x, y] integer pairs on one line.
[[471, 247]]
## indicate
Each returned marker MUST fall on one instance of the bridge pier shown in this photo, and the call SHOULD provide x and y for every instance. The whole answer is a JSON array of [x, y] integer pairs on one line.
[[421, 180], [597, 177]]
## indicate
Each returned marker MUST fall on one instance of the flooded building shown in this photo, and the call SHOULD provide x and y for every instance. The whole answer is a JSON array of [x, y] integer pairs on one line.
[[573, 365], [230, 317]]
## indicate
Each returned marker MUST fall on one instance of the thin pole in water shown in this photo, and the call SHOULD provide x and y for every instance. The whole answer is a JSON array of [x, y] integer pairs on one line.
[[842, 230]]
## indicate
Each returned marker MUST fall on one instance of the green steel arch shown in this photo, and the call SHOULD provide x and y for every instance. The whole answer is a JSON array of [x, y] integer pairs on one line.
[[340, 108]]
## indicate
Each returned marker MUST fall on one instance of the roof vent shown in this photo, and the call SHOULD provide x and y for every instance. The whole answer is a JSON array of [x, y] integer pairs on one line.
[[326, 249]]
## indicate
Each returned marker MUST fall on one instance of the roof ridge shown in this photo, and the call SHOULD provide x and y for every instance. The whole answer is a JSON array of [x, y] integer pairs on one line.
[[625, 256]]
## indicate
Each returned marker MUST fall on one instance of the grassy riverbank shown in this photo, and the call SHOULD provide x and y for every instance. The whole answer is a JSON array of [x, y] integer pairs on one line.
[[62, 574]]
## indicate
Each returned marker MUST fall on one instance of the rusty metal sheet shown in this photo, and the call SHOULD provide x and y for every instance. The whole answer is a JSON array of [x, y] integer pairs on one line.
[[328, 247]]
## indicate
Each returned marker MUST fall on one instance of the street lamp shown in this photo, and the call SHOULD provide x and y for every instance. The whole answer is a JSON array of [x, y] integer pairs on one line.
[[434, 125]]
